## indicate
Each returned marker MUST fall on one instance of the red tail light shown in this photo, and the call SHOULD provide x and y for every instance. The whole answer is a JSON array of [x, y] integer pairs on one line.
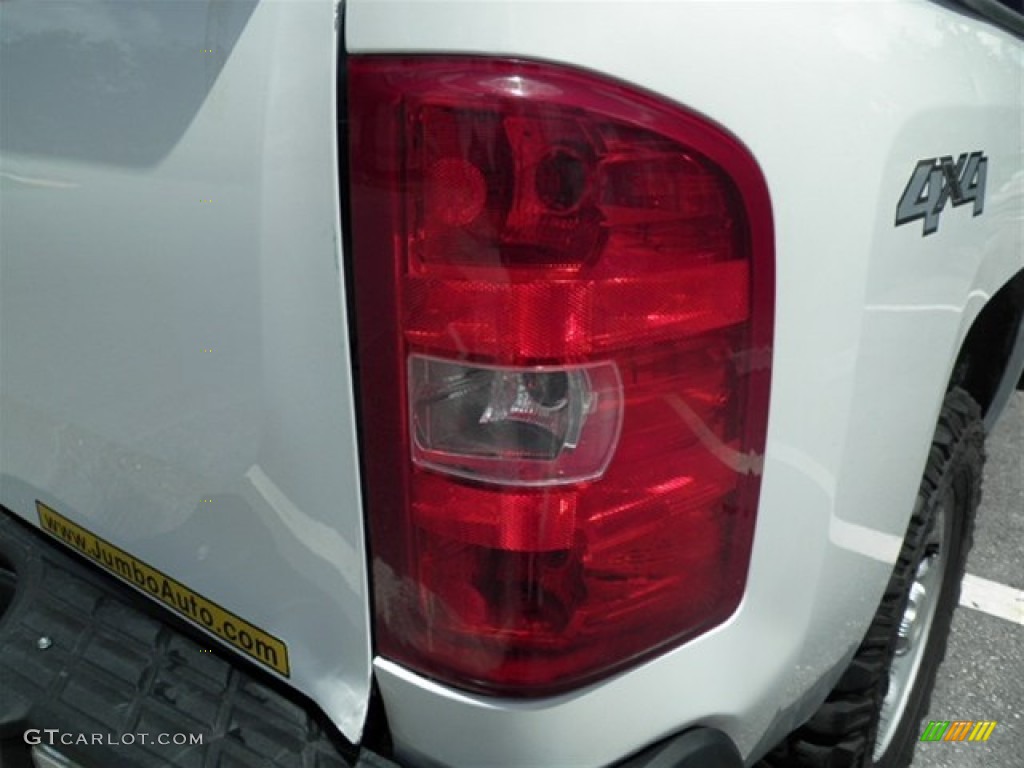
[[564, 295]]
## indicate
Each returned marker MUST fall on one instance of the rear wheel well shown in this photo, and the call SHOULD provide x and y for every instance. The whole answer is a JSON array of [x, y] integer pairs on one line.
[[985, 353]]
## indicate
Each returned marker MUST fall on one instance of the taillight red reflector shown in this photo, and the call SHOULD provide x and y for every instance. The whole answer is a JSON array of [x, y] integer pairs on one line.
[[558, 319], [564, 295]]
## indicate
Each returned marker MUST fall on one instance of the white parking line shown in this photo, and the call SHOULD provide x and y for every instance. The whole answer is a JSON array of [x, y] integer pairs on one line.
[[992, 598]]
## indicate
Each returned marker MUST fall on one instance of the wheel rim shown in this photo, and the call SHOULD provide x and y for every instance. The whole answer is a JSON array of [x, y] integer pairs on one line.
[[915, 626]]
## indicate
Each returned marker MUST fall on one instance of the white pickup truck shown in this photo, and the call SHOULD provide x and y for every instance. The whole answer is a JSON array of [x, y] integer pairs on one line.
[[507, 384]]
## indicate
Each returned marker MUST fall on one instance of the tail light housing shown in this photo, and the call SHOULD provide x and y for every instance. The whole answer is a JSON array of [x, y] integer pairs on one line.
[[564, 296]]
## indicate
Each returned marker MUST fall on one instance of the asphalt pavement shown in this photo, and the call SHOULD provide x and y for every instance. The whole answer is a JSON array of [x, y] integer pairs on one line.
[[982, 677]]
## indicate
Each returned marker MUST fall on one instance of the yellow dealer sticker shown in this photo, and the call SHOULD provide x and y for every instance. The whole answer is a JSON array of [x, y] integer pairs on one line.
[[250, 639]]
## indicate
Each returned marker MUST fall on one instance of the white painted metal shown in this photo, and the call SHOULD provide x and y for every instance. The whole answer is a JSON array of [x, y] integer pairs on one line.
[[838, 102], [174, 363]]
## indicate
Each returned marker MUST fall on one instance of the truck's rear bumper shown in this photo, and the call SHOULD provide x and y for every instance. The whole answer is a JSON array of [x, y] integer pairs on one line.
[[90, 669]]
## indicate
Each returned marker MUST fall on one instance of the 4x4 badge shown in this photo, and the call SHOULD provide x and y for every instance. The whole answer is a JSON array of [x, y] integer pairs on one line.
[[939, 179]]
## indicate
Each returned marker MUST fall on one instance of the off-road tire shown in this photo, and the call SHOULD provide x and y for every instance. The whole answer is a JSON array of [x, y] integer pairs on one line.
[[842, 733]]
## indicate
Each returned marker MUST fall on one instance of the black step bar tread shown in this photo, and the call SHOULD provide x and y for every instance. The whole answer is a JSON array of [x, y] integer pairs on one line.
[[83, 653]]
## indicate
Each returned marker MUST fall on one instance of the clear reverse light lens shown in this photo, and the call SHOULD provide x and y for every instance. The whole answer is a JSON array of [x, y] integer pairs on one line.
[[542, 425]]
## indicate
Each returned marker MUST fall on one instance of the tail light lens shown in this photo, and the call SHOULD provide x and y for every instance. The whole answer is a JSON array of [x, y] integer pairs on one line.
[[564, 294]]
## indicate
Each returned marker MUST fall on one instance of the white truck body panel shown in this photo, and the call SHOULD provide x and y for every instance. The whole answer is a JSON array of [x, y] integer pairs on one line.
[[174, 363], [838, 102]]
